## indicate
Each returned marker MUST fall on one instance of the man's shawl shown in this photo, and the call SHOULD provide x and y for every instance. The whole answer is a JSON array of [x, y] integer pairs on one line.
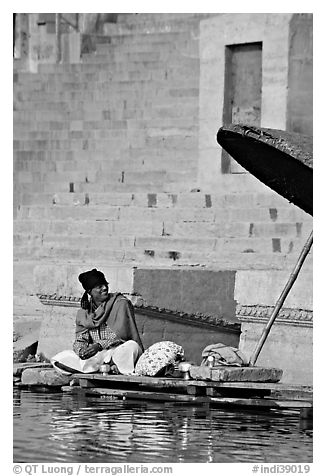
[[117, 313]]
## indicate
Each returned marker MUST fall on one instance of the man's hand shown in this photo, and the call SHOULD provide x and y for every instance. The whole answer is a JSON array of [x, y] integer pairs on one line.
[[91, 350]]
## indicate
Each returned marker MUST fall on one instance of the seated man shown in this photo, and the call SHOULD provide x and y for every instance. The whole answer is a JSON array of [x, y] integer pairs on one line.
[[106, 330]]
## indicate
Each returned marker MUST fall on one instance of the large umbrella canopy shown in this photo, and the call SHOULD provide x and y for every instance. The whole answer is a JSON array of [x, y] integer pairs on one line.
[[281, 160]]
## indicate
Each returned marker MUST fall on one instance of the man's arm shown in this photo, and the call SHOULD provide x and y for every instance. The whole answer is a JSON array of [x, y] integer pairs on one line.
[[81, 343], [109, 339]]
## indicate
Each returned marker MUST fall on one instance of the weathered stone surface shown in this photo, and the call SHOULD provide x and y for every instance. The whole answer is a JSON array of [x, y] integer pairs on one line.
[[246, 374], [287, 347], [25, 339], [236, 374], [22, 355], [19, 368], [57, 331], [192, 339], [48, 377], [200, 372], [188, 290], [58, 132], [253, 287]]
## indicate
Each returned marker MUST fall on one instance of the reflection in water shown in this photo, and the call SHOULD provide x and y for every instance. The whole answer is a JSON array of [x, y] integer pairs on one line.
[[56, 427]]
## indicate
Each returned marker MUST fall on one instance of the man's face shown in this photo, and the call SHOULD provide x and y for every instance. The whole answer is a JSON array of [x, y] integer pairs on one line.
[[100, 293]]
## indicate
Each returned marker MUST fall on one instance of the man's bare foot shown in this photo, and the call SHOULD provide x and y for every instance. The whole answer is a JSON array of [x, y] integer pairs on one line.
[[114, 369]]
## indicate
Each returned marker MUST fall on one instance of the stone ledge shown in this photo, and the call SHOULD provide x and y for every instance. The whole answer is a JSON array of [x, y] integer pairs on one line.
[[236, 374], [19, 368], [48, 377], [259, 313], [143, 308]]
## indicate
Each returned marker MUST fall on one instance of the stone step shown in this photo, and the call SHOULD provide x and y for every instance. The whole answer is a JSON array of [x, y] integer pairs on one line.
[[105, 139], [264, 206], [104, 156], [130, 59], [157, 111], [55, 129], [147, 235], [153, 156], [166, 91], [187, 47], [188, 206], [58, 187], [151, 18], [173, 29], [59, 275], [57, 79], [127, 108], [90, 168], [114, 222], [152, 62], [80, 181], [119, 77], [284, 238], [243, 183], [223, 259], [27, 142]]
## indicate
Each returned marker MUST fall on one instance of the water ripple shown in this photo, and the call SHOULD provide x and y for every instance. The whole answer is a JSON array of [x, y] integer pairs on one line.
[[57, 427]]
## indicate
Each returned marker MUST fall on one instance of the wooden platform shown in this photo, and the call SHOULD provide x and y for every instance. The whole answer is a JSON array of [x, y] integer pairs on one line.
[[245, 394]]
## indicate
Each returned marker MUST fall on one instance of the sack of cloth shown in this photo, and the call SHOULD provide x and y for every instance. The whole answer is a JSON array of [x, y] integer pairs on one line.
[[224, 355]]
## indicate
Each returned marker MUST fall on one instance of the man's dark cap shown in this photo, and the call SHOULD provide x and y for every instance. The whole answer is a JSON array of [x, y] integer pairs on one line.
[[91, 279]]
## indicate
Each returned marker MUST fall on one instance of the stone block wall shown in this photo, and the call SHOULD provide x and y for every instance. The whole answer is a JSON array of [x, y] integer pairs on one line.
[[273, 31], [57, 331], [300, 94], [188, 290], [288, 347], [116, 166]]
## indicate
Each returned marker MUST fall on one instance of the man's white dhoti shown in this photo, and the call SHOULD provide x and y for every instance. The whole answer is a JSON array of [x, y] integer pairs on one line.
[[124, 356]]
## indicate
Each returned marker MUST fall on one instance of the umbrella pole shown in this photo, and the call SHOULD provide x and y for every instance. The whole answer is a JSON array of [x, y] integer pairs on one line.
[[281, 299]]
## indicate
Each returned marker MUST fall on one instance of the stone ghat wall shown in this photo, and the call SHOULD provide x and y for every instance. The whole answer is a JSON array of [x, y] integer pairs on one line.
[[106, 167], [193, 333], [288, 347]]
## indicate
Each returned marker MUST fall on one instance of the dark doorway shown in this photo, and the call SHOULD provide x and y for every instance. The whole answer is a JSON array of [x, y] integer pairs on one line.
[[242, 91]]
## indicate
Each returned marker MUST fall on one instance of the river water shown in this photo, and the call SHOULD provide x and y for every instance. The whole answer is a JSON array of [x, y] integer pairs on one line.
[[58, 427]]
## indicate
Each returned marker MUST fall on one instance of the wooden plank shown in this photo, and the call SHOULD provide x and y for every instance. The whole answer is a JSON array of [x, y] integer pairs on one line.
[[154, 382], [263, 385], [215, 401], [291, 395], [279, 391], [86, 383], [261, 393], [84, 391], [138, 395], [195, 390], [171, 381], [260, 402], [70, 389], [176, 382]]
